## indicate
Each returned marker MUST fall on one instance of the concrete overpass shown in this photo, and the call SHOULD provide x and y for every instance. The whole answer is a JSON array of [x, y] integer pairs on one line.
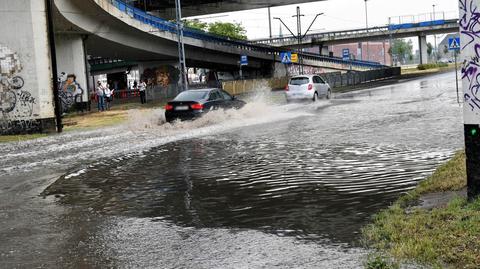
[[166, 9], [111, 29], [421, 30]]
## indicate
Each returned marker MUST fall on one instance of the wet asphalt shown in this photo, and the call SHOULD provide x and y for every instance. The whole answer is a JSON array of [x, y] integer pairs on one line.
[[269, 186]]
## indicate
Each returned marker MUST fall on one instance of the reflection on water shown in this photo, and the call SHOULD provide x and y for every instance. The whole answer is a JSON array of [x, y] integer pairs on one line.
[[318, 193]]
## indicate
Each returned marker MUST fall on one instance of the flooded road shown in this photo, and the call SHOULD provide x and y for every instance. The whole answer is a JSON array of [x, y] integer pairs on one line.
[[272, 185]]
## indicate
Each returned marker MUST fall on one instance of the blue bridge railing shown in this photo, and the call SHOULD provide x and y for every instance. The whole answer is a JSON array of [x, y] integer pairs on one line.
[[168, 26], [393, 27]]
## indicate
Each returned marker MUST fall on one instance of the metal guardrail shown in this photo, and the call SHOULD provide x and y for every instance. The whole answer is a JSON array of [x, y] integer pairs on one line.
[[168, 26]]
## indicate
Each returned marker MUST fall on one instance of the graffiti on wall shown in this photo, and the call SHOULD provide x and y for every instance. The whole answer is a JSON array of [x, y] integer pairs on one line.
[[16, 103], [294, 69], [69, 91], [161, 76], [470, 32]]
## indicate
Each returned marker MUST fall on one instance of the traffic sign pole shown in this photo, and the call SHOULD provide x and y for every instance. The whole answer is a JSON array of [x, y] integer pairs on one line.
[[456, 75], [454, 45]]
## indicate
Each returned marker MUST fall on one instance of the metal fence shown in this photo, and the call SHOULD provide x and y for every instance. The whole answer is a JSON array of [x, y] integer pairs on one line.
[[338, 79]]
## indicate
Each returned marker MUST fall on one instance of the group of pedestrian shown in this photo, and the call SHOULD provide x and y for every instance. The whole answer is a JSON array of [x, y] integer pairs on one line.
[[104, 96]]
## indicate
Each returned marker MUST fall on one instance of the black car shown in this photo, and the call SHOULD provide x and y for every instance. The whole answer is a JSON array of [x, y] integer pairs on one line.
[[193, 103]]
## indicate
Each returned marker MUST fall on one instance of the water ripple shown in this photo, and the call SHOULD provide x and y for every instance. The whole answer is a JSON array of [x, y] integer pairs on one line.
[[271, 186]]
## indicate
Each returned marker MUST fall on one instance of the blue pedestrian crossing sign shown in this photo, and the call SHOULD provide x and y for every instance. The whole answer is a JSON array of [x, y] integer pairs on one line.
[[454, 43], [243, 60], [286, 57]]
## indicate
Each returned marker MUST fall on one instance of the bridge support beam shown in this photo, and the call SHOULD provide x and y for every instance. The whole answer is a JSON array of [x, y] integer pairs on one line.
[[26, 96], [422, 44]]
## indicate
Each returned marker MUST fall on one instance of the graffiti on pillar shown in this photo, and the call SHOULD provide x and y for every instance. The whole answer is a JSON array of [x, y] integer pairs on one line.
[[69, 91], [469, 22], [16, 103], [470, 31]]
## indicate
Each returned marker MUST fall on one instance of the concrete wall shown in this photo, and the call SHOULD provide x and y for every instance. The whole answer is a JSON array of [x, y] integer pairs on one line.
[[26, 98]]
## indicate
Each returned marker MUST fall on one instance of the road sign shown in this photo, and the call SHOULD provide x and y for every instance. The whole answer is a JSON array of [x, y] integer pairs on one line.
[[243, 60], [294, 58], [454, 43], [286, 57], [346, 54]]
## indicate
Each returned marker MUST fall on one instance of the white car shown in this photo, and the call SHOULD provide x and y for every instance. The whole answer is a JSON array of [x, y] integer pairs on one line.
[[307, 87]]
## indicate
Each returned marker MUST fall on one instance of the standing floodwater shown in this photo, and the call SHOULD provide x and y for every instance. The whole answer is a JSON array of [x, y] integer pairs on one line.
[[271, 186]]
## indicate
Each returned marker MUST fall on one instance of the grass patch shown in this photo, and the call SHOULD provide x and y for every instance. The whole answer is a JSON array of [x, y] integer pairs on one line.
[[94, 120], [117, 115], [18, 138], [447, 236], [418, 70]]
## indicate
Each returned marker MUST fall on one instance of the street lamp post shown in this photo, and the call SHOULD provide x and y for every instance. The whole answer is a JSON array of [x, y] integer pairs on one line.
[[181, 47], [299, 35], [366, 26], [435, 37]]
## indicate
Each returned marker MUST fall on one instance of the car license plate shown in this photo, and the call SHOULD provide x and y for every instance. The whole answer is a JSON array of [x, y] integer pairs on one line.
[[181, 108]]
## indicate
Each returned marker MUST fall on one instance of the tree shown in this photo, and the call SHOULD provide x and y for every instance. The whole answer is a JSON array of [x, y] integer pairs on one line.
[[401, 50], [196, 24], [227, 29]]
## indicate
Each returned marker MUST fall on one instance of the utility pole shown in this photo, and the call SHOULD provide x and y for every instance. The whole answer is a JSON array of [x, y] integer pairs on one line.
[[471, 106], [299, 35], [366, 24], [181, 48], [299, 38]]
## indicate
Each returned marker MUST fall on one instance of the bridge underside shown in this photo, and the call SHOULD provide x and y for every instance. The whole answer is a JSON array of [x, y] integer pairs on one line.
[[166, 9]]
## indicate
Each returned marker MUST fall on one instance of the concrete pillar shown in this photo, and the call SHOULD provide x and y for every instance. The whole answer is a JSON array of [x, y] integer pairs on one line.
[[324, 51], [422, 44], [26, 96], [469, 57], [71, 61]]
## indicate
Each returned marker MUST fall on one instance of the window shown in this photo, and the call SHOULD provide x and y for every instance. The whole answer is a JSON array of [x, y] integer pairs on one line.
[[191, 96], [299, 81], [317, 79], [214, 95], [226, 95]]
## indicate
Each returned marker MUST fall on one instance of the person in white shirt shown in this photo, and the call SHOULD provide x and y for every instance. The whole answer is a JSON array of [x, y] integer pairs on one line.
[[108, 96], [141, 88], [100, 92]]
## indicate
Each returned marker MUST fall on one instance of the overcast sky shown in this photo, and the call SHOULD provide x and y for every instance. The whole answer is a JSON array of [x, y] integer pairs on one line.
[[338, 15]]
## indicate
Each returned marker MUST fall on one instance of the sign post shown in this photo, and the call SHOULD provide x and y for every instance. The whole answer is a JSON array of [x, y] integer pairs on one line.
[[454, 45], [470, 57], [243, 62]]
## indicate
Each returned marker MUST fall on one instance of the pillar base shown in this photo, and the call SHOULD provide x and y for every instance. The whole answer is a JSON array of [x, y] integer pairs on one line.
[[472, 151], [19, 127]]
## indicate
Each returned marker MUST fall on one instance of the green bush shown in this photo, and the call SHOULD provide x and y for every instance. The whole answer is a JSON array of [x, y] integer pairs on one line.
[[431, 66]]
